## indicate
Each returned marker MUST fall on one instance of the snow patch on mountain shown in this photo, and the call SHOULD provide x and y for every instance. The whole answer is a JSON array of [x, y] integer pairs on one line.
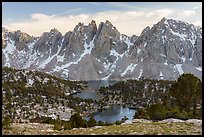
[[58, 68], [106, 78], [199, 68], [138, 51], [60, 58], [46, 62], [161, 75], [49, 59], [140, 75], [131, 67], [182, 36], [165, 63], [163, 55], [127, 41], [88, 47], [10, 47], [179, 68], [8, 50], [116, 54], [145, 45], [106, 65]]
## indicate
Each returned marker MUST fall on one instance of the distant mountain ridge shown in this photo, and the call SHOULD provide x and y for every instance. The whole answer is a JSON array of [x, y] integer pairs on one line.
[[91, 52]]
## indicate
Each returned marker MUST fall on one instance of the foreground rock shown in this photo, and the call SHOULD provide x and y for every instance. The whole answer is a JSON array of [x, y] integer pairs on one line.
[[141, 121], [196, 122]]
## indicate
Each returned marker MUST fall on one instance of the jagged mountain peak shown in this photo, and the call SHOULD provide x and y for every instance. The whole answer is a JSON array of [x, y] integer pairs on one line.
[[54, 31], [4, 30], [145, 30], [51, 33], [163, 19], [173, 21], [21, 35], [15, 32], [107, 22], [176, 25], [93, 22], [107, 25]]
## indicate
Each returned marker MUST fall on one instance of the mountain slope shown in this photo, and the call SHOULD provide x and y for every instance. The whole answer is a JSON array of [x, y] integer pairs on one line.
[[164, 51], [27, 95]]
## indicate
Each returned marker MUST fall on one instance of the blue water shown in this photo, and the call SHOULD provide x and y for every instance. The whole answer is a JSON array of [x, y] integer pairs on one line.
[[100, 83], [116, 112], [93, 87]]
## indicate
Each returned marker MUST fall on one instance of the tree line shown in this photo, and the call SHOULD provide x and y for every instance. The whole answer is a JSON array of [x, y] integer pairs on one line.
[[183, 101]]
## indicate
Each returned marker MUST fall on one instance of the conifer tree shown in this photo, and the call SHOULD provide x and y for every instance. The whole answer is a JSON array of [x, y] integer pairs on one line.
[[92, 122], [6, 122], [186, 92], [77, 120], [57, 124]]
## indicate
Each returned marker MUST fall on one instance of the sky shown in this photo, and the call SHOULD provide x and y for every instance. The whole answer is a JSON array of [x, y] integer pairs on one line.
[[129, 18]]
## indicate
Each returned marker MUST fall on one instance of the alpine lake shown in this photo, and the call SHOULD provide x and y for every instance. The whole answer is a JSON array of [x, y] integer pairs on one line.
[[111, 114]]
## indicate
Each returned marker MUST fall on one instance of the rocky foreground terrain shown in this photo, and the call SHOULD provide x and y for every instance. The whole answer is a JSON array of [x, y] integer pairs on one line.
[[134, 127]]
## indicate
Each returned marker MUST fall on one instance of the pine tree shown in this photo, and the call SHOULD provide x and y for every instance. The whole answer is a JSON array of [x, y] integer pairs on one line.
[[76, 120], [85, 125], [156, 112], [68, 125], [141, 113], [101, 123], [57, 124], [92, 122], [186, 92], [6, 123]]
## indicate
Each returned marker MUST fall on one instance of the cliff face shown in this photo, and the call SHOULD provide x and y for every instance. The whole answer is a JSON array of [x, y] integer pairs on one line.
[[164, 51]]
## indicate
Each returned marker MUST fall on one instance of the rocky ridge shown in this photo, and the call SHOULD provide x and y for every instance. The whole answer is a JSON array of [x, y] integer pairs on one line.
[[164, 51]]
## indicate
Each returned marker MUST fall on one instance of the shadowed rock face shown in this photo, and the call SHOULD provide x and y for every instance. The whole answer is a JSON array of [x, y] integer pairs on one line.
[[165, 51]]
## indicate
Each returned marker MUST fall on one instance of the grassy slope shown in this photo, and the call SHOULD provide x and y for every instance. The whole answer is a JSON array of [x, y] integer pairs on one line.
[[135, 128]]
